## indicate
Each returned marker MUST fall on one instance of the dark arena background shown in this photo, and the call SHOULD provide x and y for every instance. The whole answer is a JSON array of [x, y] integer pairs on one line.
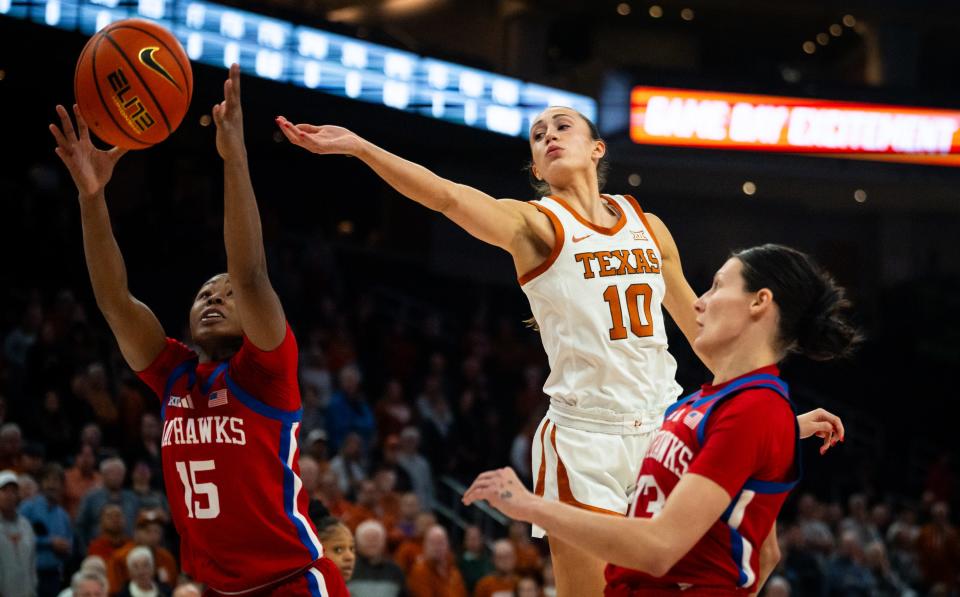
[[422, 326]]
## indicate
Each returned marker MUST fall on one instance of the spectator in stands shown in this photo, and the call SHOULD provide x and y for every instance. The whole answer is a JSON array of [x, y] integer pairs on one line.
[[436, 422], [338, 545], [816, 532], [90, 565], [316, 447], [88, 584], [18, 547], [113, 471], [11, 447], [187, 589], [529, 585], [888, 583], [846, 574], [903, 553], [778, 586], [52, 527], [80, 479], [474, 562], [366, 507], [331, 496], [148, 534], [148, 448], [310, 477], [92, 387], [404, 522], [416, 466], [435, 574], [32, 459], [801, 564], [375, 574], [54, 426], [349, 411], [28, 487], [148, 497], [504, 577], [413, 547], [529, 558], [140, 569], [349, 463], [938, 548], [392, 412], [113, 533], [858, 520], [386, 481], [92, 435]]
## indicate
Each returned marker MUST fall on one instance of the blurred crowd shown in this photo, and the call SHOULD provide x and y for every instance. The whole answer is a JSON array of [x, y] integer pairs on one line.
[[391, 425]]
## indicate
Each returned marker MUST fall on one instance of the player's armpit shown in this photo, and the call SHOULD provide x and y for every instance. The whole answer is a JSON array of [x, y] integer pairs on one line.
[[680, 297]]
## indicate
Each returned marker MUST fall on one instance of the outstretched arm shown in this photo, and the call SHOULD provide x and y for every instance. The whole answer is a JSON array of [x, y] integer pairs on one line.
[[503, 223], [652, 545], [136, 328], [262, 315]]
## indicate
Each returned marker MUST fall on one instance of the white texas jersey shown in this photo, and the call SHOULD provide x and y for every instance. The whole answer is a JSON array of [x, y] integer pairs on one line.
[[597, 300]]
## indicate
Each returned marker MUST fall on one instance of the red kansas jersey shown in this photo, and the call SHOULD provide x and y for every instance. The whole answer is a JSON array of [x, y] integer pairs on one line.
[[742, 434], [230, 464]]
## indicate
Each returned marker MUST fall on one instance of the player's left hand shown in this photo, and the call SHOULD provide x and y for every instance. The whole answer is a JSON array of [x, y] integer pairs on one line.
[[229, 118], [503, 490], [823, 424]]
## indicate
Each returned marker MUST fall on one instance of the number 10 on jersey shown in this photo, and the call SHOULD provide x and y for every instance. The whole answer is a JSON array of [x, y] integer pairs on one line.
[[642, 327]]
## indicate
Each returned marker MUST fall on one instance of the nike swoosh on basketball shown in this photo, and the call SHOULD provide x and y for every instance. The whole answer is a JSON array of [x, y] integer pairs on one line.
[[577, 239], [146, 57]]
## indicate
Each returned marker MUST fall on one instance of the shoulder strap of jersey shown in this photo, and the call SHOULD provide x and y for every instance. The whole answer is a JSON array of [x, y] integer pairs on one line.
[[770, 382]]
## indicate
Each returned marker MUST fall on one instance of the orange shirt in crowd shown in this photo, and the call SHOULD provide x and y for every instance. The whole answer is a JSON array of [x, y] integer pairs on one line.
[[407, 554], [167, 571], [75, 486], [528, 557], [356, 515], [495, 585], [425, 580], [105, 546]]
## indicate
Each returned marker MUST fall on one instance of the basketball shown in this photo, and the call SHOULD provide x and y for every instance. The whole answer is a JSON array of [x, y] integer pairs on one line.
[[133, 83]]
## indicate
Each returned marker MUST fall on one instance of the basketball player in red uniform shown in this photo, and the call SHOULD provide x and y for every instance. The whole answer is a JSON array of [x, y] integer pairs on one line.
[[230, 411], [717, 473]]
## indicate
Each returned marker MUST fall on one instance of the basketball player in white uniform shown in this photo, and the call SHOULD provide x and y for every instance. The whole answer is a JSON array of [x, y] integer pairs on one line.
[[596, 270]]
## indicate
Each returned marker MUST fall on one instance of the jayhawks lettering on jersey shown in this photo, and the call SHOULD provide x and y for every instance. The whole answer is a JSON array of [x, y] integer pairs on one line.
[[597, 300], [230, 463], [743, 435]]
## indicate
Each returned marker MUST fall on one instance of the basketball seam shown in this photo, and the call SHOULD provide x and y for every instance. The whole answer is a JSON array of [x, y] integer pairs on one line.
[[96, 83], [173, 54], [146, 87]]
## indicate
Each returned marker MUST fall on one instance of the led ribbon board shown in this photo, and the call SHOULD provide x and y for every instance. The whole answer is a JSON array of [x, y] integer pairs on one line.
[[827, 128], [316, 59]]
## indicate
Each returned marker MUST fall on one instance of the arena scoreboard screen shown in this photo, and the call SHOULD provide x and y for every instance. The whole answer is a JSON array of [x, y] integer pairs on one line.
[[315, 59], [829, 128]]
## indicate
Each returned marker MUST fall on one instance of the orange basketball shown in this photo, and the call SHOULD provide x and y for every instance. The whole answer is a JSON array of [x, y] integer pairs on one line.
[[133, 83]]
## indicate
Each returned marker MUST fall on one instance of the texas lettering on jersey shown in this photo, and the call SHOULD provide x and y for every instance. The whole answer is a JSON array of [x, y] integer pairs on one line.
[[628, 261]]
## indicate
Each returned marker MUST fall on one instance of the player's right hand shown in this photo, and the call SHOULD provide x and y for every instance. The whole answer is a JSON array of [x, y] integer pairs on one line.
[[320, 139], [90, 168]]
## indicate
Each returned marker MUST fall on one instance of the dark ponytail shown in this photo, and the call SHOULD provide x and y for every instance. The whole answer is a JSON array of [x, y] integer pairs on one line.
[[603, 166], [812, 305]]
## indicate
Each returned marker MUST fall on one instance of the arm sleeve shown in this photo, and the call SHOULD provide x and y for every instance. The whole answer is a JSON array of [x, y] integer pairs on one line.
[[748, 436], [270, 375], [156, 374]]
